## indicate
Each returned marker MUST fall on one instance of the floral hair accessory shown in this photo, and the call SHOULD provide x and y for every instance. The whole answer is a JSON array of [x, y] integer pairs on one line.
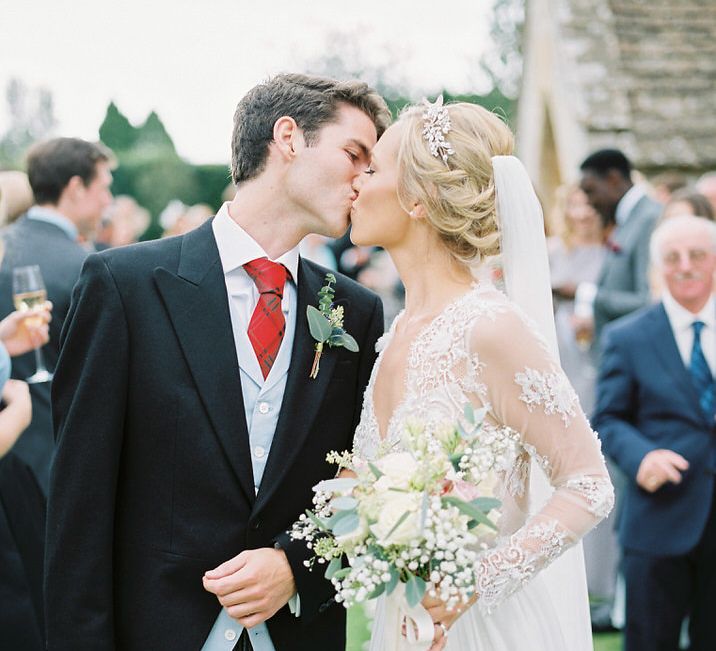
[[437, 124]]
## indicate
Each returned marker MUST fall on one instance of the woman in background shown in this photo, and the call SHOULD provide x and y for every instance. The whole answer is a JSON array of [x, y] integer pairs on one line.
[[22, 505], [576, 254], [688, 201]]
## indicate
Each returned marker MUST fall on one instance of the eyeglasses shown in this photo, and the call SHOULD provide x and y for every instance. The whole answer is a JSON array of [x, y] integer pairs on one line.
[[696, 256]]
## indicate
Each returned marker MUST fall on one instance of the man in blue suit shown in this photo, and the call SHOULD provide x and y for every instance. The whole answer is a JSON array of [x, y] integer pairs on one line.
[[655, 416]]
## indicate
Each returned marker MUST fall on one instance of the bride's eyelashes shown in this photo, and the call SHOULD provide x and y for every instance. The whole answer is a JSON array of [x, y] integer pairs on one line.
[[370, 171]]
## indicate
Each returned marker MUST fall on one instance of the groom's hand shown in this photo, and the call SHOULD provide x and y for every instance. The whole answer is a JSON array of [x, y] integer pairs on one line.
[[252, 586]]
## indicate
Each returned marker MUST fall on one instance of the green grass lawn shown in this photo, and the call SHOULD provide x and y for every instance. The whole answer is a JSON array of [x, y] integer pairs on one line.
[[359, 632]]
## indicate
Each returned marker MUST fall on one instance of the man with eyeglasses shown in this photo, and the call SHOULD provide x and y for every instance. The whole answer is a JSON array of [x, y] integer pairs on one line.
[[655, 415]]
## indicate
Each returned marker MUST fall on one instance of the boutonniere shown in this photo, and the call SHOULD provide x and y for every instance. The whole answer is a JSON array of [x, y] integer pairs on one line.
[[325, 323], [613, 246]]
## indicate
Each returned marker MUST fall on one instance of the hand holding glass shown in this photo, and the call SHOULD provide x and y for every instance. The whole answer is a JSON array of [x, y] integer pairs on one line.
[[29, 292]]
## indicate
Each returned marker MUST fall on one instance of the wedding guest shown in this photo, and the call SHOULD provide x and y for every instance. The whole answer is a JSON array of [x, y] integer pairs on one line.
[[688, 202], [15, 195], [706, 185], [628, 217], [655, 416], [576, 255], [22, 507], [665, 184], [123, 223], [70, 179], [178, 219]]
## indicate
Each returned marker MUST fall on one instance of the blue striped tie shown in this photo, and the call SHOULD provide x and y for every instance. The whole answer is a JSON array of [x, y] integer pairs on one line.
[[701, 374]]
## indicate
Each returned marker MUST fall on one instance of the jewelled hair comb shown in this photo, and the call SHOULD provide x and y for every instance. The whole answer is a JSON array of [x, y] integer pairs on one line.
[[436, 125]]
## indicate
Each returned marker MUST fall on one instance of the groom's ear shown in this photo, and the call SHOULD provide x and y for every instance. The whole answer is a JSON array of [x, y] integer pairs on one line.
[[287, 137]]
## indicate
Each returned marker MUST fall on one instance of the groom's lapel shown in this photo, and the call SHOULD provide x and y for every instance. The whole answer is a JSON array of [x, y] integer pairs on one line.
[[195, 298], [303, 396]]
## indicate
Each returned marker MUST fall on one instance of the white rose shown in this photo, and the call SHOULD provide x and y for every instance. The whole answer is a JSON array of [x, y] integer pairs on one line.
[[398, 468], [394, 507]]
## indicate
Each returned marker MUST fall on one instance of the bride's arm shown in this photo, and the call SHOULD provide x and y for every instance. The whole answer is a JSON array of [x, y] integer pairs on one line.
[[527, 391]]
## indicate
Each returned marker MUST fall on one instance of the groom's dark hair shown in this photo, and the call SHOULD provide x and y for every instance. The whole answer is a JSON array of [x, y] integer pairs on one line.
[[311, 101]]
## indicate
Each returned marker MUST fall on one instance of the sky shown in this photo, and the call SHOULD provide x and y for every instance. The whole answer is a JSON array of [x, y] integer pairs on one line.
[[192, 60]]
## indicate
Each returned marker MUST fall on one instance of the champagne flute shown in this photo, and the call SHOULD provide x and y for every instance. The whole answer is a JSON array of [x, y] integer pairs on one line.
[[29, 291]]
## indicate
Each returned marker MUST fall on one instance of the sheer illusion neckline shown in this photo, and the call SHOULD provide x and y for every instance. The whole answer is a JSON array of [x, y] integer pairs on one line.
[[449, 307]]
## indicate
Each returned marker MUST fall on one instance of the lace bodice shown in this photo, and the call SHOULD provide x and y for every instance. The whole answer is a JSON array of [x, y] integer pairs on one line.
[[482, 350]]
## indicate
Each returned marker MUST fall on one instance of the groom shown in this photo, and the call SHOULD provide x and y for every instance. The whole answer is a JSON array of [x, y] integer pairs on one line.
[[189, 433]]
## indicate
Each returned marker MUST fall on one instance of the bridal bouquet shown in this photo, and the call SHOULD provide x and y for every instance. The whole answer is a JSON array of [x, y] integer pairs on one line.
[[414, 519]]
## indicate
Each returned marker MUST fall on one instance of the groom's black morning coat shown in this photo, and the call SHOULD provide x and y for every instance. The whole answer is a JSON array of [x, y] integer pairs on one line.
[[152, 482]]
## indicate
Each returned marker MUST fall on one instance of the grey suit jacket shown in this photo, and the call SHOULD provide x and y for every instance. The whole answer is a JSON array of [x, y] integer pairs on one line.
[[27, 242], [623, 284]]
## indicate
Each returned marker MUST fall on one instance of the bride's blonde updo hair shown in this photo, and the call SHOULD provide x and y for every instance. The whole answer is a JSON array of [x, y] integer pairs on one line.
[[458, 195]]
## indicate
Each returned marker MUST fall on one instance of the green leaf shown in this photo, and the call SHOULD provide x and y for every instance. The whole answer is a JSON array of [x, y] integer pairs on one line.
[[379, 590], [349, 343], [330, 278], [342, 338], [469, 414], [344, 522], [394, 579], [323, 526], [469, 510], [342, 573], [465, 435], [332, 568], [486, 504], [480, 416], [344, 503], [375, 470], [414, 590], [455, 460], [318, 324]]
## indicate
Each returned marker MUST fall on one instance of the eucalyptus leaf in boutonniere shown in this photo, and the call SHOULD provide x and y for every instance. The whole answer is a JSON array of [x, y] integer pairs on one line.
[[326, 324]]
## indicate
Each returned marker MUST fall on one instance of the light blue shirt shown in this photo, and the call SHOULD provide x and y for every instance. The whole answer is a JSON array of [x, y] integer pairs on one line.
[[5, 365], [262, 399], [50, 216]]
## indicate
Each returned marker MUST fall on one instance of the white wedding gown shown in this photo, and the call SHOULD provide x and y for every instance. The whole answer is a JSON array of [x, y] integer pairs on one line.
[[481, 349]]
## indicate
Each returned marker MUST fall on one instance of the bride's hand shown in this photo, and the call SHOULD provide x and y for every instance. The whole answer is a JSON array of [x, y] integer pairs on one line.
[[441, 615], [345, 473]]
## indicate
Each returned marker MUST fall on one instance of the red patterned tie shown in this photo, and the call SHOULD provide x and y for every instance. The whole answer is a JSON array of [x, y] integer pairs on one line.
[[267, 325]]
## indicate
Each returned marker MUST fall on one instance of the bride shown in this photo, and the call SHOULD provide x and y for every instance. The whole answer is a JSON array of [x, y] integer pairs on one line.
[[443, 196]]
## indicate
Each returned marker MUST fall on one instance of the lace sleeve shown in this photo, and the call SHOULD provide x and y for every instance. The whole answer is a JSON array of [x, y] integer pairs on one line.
[[527, 391]]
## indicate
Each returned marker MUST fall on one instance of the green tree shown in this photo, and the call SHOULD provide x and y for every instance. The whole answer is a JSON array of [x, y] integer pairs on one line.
[[153, 135], [151, 171], [116, 131]]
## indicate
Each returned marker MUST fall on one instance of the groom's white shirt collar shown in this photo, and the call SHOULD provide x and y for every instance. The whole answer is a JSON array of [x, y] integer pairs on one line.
[[237, 247]]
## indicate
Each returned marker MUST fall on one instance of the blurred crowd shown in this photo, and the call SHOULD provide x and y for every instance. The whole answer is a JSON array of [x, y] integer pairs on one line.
[[603, 270]]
